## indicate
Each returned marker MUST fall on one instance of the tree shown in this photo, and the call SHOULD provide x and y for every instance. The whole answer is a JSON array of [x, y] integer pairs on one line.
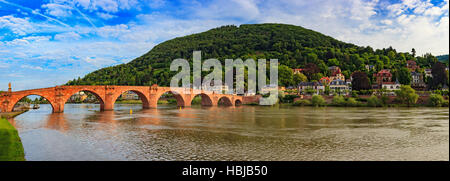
[[391, 55], [312, 57], [299, 77], [316, 77], [379, 65], [317, 100], [436, 100], [404, 76], [293, 45], [285, 75], [311, 69], [439, 75], [386, 61], [407, 95], [338, 101], [333, 62], [360, 81], [373, 101]]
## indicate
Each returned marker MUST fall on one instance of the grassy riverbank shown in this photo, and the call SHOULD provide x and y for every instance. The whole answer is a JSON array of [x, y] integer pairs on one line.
[[11, 148]]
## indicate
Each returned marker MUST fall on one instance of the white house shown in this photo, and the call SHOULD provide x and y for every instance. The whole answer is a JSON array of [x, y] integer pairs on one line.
[[339, 86]]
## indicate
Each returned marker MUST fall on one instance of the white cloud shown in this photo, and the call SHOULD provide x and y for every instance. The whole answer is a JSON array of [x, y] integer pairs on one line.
[[27, 40], [106, 16], [156, 3], [357, 22], [19, 26], [67, 36], [31, 67], [4, 65], [57, 10], [110, 6], [223, 9]]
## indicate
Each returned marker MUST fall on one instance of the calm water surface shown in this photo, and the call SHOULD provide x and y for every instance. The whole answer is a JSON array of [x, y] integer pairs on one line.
[[241, 133]]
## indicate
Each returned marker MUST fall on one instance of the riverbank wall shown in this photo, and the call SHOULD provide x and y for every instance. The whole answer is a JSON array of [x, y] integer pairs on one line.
[[421, 101], [8, 115]]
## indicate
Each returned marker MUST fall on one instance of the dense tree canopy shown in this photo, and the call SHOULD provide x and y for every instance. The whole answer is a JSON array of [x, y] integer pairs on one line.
[[404, 76], [439, 75], [299, 77], [360, 81], [293, 46]]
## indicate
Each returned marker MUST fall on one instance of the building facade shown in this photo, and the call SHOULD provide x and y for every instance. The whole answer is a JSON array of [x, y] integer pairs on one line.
[[382, 77], [311, 88], [417, 81], [339, 87], [335, 73], [411, 65]]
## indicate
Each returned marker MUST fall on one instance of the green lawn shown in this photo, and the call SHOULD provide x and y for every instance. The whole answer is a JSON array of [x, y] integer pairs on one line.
[[11, 148]]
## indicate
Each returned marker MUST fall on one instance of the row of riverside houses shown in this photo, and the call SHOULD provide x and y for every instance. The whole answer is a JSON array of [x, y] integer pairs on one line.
[[337, 84]]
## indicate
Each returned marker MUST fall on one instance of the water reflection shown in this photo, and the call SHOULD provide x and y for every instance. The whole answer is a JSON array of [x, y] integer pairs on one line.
[[235, 133], [58, 122]]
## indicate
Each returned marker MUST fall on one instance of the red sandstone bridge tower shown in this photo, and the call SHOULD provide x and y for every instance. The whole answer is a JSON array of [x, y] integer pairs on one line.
[[108, 94]]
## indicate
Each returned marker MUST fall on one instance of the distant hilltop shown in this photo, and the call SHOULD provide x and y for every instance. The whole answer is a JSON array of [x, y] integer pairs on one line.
[[443, 58], [293, 46]]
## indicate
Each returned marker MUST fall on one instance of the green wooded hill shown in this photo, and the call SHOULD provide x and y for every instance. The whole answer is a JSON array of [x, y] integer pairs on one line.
[[443, 58], [293, 46]]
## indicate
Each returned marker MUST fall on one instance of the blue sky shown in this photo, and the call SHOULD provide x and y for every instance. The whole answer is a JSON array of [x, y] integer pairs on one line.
[[46, 43]]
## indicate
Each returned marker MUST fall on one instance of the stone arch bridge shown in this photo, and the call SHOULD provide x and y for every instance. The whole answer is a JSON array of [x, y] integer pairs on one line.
[[107, 95]]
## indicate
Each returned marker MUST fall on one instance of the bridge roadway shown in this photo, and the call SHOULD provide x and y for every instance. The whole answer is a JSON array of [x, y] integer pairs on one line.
[[107, 95]]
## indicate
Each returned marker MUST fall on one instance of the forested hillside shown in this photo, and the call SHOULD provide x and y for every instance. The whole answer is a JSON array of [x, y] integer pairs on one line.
[[293, 46], [443, 58]]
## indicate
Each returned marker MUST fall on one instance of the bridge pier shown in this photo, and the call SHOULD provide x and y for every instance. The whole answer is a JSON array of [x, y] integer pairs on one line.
[[58, 107]]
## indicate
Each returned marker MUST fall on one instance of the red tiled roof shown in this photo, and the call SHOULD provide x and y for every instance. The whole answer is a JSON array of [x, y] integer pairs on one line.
[[388, 83], [411, 62]]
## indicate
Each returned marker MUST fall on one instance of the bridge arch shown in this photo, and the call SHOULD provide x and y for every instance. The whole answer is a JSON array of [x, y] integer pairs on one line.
[[206, 99], [16, 100], [93, 92], [178, 96], [145, 100], [225, 100], [237, 102]]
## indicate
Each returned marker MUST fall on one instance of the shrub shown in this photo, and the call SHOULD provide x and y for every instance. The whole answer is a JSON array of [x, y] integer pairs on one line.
[[406, 95], [317, 100], [359, 99], [354, 93], [338, 101], [436, 100], [373, 101], [384, 100], [162, 102], [351, 102], [445, 103], [302, 102], [171, 101], [288, 98]]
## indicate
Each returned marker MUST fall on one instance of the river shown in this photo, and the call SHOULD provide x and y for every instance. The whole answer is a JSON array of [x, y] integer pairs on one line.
[[240, 133]]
